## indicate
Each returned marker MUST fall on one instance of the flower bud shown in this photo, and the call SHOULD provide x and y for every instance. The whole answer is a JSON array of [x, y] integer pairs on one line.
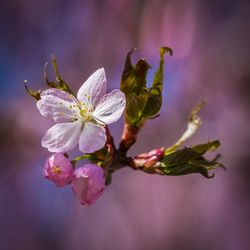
[[58, 169], [88, 183], [159, 152]]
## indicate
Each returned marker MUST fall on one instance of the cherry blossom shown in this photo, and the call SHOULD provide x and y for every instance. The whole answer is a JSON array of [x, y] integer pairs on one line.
[[82, 119]]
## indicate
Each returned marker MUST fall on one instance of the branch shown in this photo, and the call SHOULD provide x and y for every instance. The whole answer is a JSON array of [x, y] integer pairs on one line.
[[129, 137]]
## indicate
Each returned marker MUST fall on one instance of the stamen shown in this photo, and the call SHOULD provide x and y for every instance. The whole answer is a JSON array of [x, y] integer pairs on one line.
[[56, 170]]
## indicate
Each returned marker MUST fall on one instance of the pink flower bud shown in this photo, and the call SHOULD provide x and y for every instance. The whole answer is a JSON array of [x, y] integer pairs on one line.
[[159, 152], [58, 169], [149, 159], [88, 183]]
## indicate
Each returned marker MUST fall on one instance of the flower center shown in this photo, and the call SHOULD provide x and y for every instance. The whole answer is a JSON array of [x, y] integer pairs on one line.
[[56, 170], [85, 111]]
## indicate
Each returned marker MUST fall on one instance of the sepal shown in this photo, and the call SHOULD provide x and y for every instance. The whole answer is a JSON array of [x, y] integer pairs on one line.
[[59, 82], [32, 93]]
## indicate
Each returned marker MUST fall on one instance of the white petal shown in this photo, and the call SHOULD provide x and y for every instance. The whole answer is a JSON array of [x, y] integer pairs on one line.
[[93, 138], [110, 107], [57, 105], [93, 88], [62, 137]]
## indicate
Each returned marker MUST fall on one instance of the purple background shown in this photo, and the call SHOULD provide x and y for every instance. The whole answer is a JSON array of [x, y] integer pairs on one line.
[[211, 60]]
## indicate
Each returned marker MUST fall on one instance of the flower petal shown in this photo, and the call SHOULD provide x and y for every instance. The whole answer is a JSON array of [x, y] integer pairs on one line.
[[80, 185], [110, 107], [57, 105], [88, 183], [93, 138], [58, 169], [93, 88], [62, 137]]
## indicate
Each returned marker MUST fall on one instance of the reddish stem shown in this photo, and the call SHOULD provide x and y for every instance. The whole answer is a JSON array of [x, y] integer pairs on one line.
[[129, 137]]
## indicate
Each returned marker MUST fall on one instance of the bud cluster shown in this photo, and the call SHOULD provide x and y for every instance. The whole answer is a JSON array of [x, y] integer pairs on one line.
[[87, 181]]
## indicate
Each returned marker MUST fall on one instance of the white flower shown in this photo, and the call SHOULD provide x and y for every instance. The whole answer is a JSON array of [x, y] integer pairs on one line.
[[80, 120]]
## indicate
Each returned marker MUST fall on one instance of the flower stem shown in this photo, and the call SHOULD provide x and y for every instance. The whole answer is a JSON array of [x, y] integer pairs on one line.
[[129, 137], [81, 157]]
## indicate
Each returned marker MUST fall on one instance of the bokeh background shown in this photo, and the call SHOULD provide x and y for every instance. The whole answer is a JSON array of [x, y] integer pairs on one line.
[[210, 39]]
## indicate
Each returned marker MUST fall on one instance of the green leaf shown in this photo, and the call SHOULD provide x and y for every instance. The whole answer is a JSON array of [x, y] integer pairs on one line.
[[153, 103], [133, 79], [210, 146], [154, 93], [134, 106], [142, 102], [158, 78], [190, 160]]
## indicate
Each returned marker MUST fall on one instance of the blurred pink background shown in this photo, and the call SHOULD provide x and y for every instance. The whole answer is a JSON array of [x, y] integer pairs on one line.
[[210, 40]]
